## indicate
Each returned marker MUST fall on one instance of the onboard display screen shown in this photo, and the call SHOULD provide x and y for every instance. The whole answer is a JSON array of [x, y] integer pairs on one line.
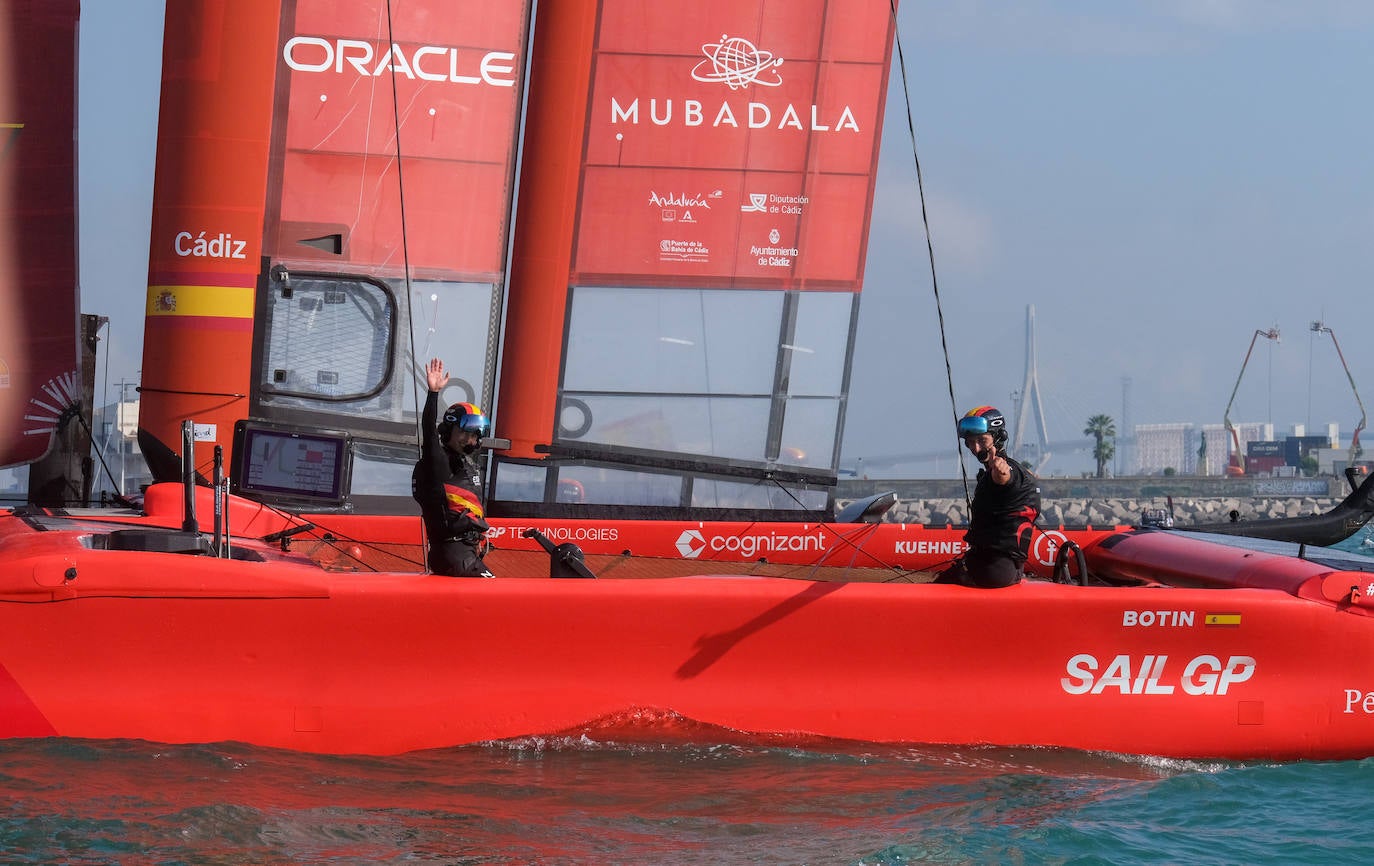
[[277, 462]]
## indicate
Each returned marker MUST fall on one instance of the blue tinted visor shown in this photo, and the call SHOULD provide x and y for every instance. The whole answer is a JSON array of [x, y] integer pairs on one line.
[[973, 426], [474, 424], [466, 416]]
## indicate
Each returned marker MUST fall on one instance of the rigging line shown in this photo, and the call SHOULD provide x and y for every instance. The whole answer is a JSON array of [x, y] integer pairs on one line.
[[334, 538], [405, 253], [405, 242], [930, 246], [842, 538]]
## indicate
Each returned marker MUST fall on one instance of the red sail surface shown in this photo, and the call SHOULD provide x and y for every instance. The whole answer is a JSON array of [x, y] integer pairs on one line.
[[356, 140], [38, 313], [742, 157], [455, 80]]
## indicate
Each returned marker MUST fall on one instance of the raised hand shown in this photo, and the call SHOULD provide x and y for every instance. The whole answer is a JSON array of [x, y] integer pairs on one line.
[[435, 376]]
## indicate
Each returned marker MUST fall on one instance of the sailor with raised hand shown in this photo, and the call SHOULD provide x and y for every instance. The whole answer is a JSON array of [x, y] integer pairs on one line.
[[1006, 504], [447, 483]]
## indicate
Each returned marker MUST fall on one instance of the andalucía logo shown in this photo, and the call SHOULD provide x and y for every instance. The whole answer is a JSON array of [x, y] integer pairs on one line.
[[690, 544]]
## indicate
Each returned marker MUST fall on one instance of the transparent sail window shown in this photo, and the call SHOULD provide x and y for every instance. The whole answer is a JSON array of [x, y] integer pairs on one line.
[[595, 485], [808, 432], [672, 341], [518, 482], [381, 470], [711, 493], [727, 427], [328, 339], [340, 345], [739, 375], [817, 347]]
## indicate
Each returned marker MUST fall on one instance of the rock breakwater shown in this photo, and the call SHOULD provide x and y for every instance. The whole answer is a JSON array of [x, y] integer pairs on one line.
[[1118, 512]]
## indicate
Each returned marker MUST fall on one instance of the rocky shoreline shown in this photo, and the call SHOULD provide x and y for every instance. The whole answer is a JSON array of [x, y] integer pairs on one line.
[[1118, 512]]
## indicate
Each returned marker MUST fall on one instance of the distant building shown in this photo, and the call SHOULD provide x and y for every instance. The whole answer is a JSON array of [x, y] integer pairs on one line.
[[1247, 432], [118, 462], [1175, 446], [1165, 446], [1218, 450]]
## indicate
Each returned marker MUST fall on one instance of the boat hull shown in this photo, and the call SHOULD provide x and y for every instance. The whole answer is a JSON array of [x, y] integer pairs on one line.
[[165, 647]]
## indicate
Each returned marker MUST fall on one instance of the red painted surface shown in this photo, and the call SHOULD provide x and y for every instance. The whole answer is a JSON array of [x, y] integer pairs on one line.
[[451, 118], [103, 643], [38, 313], [214, 129], [693, 114]]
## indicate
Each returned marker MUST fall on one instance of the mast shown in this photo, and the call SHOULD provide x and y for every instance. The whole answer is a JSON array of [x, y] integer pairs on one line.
[[209, 188]]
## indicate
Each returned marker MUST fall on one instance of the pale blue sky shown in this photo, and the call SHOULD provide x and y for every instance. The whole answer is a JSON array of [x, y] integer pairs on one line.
[[1160, 179]]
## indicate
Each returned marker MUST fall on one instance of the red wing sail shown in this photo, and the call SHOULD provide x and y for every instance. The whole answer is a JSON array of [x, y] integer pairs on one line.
[[38, 313]]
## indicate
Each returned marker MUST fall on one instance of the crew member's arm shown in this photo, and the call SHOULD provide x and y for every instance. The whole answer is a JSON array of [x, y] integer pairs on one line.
[[436, 378], [999, 470], [431, 449]]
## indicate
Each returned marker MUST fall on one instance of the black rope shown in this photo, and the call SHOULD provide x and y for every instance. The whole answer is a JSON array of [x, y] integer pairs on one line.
[[405, 257], [405, 244], [930, 246]]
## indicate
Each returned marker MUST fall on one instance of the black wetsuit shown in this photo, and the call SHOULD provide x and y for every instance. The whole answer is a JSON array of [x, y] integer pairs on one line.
[[1000, 530], [448, 487]]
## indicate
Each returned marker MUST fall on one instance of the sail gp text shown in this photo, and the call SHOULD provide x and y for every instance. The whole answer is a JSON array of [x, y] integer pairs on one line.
[[1154, 675]]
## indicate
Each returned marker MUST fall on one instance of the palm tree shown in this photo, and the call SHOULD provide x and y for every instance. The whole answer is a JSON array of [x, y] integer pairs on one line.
[[1103, 430]]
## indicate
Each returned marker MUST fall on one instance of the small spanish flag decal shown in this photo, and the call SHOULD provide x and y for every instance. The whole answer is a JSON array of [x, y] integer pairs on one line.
[[1224, 620]]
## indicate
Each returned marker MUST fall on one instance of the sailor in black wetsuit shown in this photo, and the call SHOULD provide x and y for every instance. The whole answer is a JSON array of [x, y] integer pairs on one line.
[[1006, 504], [447, 484]]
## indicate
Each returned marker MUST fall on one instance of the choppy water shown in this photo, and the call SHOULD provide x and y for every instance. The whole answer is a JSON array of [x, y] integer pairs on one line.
[[581, 802], [588, 801]]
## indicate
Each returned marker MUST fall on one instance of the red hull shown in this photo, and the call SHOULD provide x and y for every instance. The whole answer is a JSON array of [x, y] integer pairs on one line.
[[166, 647]]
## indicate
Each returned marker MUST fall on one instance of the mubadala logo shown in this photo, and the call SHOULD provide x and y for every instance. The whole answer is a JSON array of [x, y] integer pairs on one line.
[[690, 544], [739, 65]]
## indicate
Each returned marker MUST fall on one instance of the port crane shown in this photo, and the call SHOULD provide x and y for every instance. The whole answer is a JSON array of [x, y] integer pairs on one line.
[[1321, 328], [1236, 465]]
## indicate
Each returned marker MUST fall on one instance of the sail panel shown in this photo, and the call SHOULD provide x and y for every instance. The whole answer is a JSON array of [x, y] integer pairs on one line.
[[38, 313], [709, 159], [693, 221], [363, 159], [380, 95]]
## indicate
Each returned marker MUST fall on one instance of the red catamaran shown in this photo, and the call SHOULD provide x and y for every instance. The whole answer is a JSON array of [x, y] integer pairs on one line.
[[663, 328]]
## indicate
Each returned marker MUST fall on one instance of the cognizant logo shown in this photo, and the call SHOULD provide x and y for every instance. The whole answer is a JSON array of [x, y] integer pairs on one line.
[[691, 543]]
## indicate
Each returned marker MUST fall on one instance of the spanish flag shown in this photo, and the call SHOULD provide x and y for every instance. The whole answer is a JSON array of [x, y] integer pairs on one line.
[[1222, 620]]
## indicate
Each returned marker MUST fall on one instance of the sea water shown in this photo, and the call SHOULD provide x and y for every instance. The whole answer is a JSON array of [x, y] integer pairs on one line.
[[592, 800], [578, 801]]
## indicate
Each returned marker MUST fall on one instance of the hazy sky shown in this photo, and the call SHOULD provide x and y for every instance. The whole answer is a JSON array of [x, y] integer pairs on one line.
[[1159, 179]]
